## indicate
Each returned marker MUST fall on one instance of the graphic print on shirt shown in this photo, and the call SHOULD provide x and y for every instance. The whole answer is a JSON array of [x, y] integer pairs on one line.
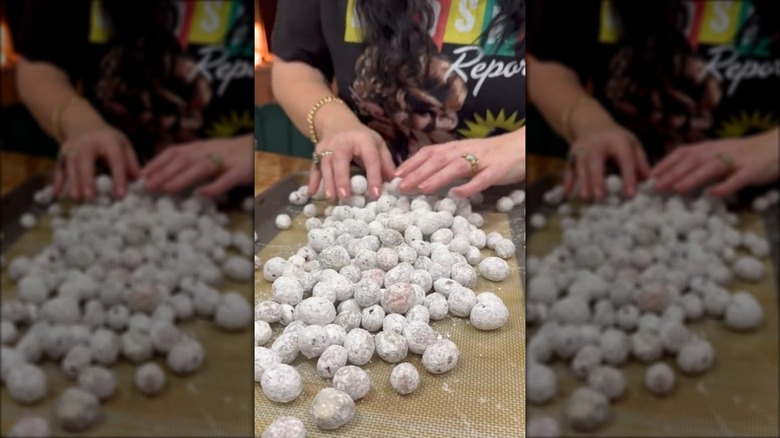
[[207, 55], [420, 110], [721, 58], [491, 125]]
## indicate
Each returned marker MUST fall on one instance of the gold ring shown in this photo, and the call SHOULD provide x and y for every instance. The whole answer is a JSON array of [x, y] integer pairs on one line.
[[318, 156], [473, 162], [218, 161], [727, 161]]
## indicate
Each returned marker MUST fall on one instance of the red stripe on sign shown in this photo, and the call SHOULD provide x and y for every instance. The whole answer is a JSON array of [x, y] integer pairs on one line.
[[698, 13], [186, 25], [440, 25]]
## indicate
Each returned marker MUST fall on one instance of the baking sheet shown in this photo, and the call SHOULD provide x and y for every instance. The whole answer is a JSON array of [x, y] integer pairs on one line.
[[737, 397], [482, 397], [215, 401]]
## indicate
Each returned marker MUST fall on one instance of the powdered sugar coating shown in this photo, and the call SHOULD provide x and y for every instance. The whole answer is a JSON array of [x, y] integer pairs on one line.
[[30, 427], [398, 298], [749, 269], [494, 269], [437, 305], [587, 409], [281, 384], [285, 427], [505, 249], [265, 359], [149, 378], [419, 336], [391, 346], [360, 346], [541, 383], [283, 222], [543, 427], [77, 359], [607, 380], [538, 220], [312, 341], [263, 333], [97, 380], [185, 357], [659, 379], [695, 357], [333, 358], [505, 204], [460, 301], [332, 409], [316, 310], [744, 312], [441, 356], [404, 378], [489, 314], [26, 383], [352, 380], [77, 410]]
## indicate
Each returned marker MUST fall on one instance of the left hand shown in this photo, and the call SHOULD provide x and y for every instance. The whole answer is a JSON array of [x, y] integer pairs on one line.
[[755, 162], [501, 161], [183, 166]]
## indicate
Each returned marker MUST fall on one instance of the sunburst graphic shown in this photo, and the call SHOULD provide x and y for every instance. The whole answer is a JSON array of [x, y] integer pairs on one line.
[[482, 127], [745, 124], [231, 124]]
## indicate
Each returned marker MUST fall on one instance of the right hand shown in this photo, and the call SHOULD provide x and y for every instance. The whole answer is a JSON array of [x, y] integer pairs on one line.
[[80, 152], [590, 151], [353, 140]]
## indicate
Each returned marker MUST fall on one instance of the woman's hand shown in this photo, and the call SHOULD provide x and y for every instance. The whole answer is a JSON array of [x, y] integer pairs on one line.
[[78, 154], [351, 141], [501, 161], [227, 161], [589, 153], [754, 161]]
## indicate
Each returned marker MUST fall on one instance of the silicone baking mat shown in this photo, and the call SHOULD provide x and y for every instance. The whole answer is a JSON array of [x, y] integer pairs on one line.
[[737, 397], [482, 397], [215, 401]]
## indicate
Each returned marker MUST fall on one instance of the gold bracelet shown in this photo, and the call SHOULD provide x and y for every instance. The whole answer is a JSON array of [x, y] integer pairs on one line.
[[56, 116], [568, 130], [310, 118]]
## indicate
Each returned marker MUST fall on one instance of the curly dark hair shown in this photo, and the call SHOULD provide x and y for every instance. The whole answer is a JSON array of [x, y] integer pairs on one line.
[[387, 25], [146, 85], [142, 29], [656, 73]]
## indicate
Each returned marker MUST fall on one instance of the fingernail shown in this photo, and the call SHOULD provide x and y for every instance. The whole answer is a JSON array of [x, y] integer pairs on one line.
[[342, 193], [328, 194]]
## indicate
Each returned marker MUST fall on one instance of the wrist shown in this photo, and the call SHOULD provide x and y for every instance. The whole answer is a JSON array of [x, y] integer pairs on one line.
[[78, 120], [334, 118], [588, 118], [514, 140], [767, 139], [243, 141]]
